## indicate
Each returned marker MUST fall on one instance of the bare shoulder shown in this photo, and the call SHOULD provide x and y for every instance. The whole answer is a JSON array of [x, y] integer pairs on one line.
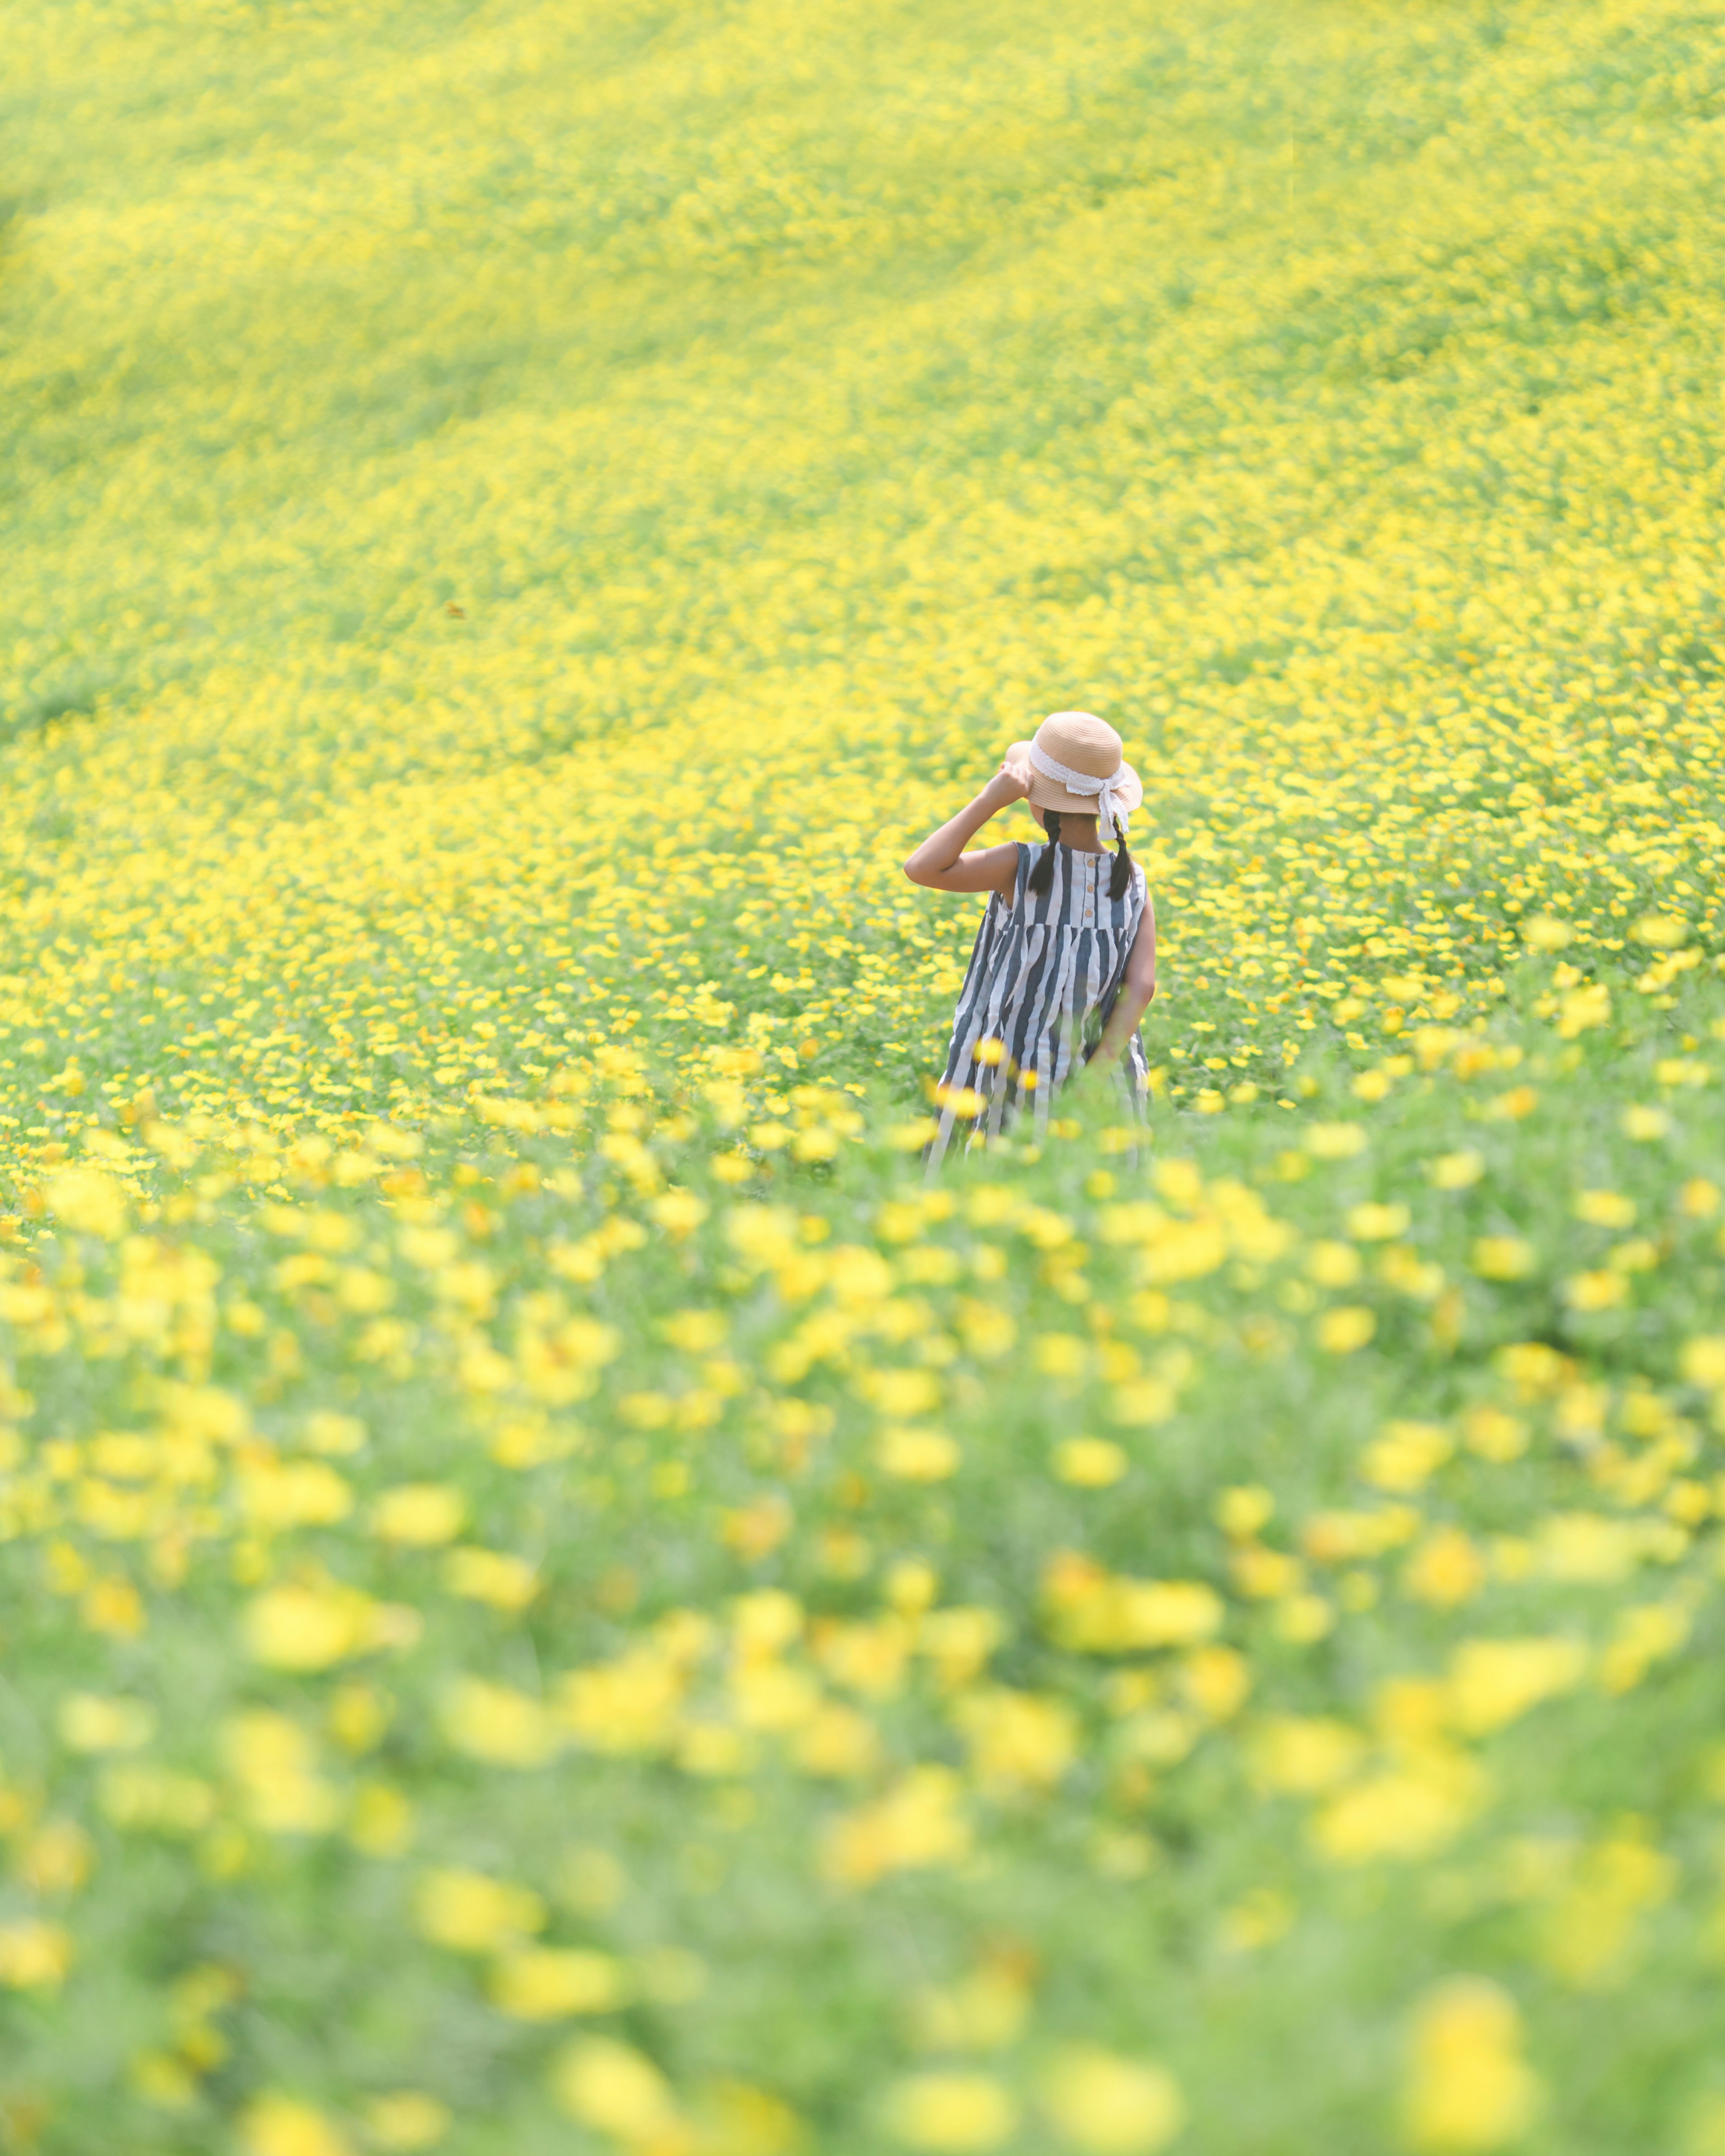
[[989, 868], [1006, 878], [1004, 870]]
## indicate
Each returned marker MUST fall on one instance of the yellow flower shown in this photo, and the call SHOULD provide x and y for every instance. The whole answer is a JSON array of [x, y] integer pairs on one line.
[[629, 1705], [918, 1822], [1595, 1291], [1017, 1740], [1469, 2086], [162, 2080], [1148, 1401], [90, 1723], [1098, 1612], [738, 2119], [381, 1820], [278, 2126], [1257, 1920], [612, 2087], [1642, 1636], [295, 1493], [1583, 1009], [1301, 1755], [1402, 1815], [359, 1715], [697, 1331], [156, 1800], [1245, 1509], [917, 1455], [1494, 1435], [406, 2119], [546, 1984], [1586, 1935], [1185, 1249], [1494, 1681], [471, 1913], [1703, 1360], [34, 1956], [1339, 1537], [912, 1137], [88, 1200], [950, 2111], [838, 1741], [1348, 1326], [1216, 1680], [57, 1859], [1446, 1569], [275, 1761], [1502, 1257], [983, 2010], [1588, 1547], [898, 1392], [1263, 1574], [310, 1627], [420, 1514], [493, 1577], [1335, 1141], [498, 1724], [958, 1641], [1333, 1264], [1378, 1224], [1704, 2129], [1605, 1209], [1090, 1463], [327, 1432], [1095, 2099], [678, 1212]]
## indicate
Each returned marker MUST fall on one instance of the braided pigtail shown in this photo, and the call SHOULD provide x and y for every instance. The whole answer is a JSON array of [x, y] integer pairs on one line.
[[1120, 881], [1042, 872]]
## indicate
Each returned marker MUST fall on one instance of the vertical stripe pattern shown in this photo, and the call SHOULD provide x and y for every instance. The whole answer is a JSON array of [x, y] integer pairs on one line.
[[1042, 982]]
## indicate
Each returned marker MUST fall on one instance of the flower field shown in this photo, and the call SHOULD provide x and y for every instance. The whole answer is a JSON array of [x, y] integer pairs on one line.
[[557, 1593]]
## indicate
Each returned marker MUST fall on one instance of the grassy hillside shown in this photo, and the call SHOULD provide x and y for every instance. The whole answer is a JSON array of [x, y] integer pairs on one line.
[[557, 1594]]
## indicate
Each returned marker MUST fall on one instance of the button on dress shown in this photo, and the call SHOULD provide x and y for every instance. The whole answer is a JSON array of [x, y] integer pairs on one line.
[[1044, 979]]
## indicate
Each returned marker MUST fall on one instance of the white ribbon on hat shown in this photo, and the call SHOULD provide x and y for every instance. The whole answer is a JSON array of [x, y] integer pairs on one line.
[[1109, 808]]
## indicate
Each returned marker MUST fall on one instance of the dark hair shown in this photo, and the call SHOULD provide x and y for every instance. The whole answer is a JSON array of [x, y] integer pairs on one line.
[[1042, 872], [1120, 879], [1041, 877]]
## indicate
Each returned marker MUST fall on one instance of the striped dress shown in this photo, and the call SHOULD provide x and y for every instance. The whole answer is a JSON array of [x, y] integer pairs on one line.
[[1043, 981]]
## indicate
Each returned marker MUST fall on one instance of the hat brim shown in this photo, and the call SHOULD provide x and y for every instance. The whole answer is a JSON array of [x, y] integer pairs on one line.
[[1050, 793]]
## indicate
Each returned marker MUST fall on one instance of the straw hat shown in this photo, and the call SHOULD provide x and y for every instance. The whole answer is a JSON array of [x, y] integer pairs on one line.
[[1077, 768]]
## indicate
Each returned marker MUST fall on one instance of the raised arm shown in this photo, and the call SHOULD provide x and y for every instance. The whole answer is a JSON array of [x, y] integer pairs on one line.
[[940, 863], [1136, 991]]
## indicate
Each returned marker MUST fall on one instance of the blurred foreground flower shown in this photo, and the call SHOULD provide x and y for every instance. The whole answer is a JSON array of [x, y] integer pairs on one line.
[[950, 2112], [1469, 2086], [1117, 2107]]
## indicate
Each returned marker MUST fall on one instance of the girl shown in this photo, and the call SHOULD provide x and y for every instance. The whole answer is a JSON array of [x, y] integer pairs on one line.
[[1064, 962]]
